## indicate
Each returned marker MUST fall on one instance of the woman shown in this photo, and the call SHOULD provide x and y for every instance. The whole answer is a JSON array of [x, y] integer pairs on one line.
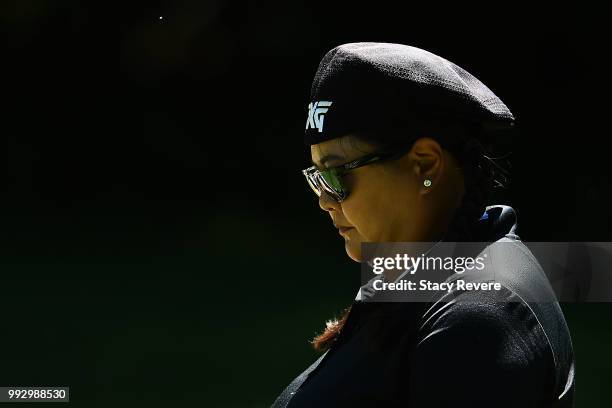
[[399, 140]]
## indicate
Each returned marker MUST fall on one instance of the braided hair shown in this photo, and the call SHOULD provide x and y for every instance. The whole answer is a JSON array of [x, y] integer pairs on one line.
[[482, 175]]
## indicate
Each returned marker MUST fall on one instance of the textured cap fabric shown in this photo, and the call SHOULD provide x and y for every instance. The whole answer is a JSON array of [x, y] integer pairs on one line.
[[369, 86]]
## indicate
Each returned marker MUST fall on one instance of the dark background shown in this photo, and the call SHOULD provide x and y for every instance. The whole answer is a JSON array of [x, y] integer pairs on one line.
[[159, 244]]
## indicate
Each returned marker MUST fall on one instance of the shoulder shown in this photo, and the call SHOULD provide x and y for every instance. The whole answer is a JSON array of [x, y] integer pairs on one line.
[[491, 343], [495, 321]]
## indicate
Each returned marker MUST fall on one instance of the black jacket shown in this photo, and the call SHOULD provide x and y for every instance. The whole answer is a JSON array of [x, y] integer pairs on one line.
[[497, 351]]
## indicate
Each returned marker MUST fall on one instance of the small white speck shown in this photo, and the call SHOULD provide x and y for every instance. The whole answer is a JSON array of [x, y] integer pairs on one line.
[[161, 17]]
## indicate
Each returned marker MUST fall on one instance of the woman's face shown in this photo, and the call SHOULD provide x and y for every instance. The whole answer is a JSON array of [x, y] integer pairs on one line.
[[388, 201]]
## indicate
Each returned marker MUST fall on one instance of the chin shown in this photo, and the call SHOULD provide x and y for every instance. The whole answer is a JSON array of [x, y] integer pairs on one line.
[[353, 251]]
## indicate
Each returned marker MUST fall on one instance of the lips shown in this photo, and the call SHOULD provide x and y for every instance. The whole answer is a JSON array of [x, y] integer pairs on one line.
[[342, 229]]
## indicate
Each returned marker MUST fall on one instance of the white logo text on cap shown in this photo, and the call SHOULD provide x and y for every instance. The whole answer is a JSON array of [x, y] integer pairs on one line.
[[316, 113]]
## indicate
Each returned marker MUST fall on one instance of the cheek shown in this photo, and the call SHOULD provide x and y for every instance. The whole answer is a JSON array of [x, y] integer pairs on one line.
[[380, 204], [355, 211], [368, 208]]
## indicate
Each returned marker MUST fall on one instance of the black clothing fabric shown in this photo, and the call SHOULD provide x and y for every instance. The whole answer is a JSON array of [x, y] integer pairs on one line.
[[496, 351], [370, 86]]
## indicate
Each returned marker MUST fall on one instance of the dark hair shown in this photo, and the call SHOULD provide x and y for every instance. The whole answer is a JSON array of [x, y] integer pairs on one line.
[[482, 175]]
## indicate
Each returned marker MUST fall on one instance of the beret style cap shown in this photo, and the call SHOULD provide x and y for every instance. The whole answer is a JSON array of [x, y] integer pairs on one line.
[[370, 86]]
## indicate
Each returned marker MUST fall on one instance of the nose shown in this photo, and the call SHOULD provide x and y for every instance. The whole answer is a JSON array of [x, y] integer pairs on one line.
[[327, 203]]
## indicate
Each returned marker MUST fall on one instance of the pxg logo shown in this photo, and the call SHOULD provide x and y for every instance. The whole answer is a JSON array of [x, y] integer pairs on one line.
[[316, 112]]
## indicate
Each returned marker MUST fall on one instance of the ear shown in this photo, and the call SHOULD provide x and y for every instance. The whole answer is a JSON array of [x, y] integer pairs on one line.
[[427, 158]]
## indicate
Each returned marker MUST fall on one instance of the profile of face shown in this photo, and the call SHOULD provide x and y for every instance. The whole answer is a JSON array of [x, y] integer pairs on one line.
[[389, 200]]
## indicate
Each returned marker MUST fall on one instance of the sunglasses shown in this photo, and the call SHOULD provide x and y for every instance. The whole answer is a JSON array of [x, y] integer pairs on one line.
[[331, 180]]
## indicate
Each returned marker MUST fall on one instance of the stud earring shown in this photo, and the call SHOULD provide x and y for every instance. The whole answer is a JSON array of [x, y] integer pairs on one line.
[[427, 182]]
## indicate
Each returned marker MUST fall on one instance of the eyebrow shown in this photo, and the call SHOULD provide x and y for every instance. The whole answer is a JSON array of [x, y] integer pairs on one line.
[[328, 158]]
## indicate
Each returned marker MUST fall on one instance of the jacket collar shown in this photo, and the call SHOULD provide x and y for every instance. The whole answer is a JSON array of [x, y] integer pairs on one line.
[[497, 222]]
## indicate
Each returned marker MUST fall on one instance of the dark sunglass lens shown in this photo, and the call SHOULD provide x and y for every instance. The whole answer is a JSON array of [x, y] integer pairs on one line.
[[332, 182], [332, 179]]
